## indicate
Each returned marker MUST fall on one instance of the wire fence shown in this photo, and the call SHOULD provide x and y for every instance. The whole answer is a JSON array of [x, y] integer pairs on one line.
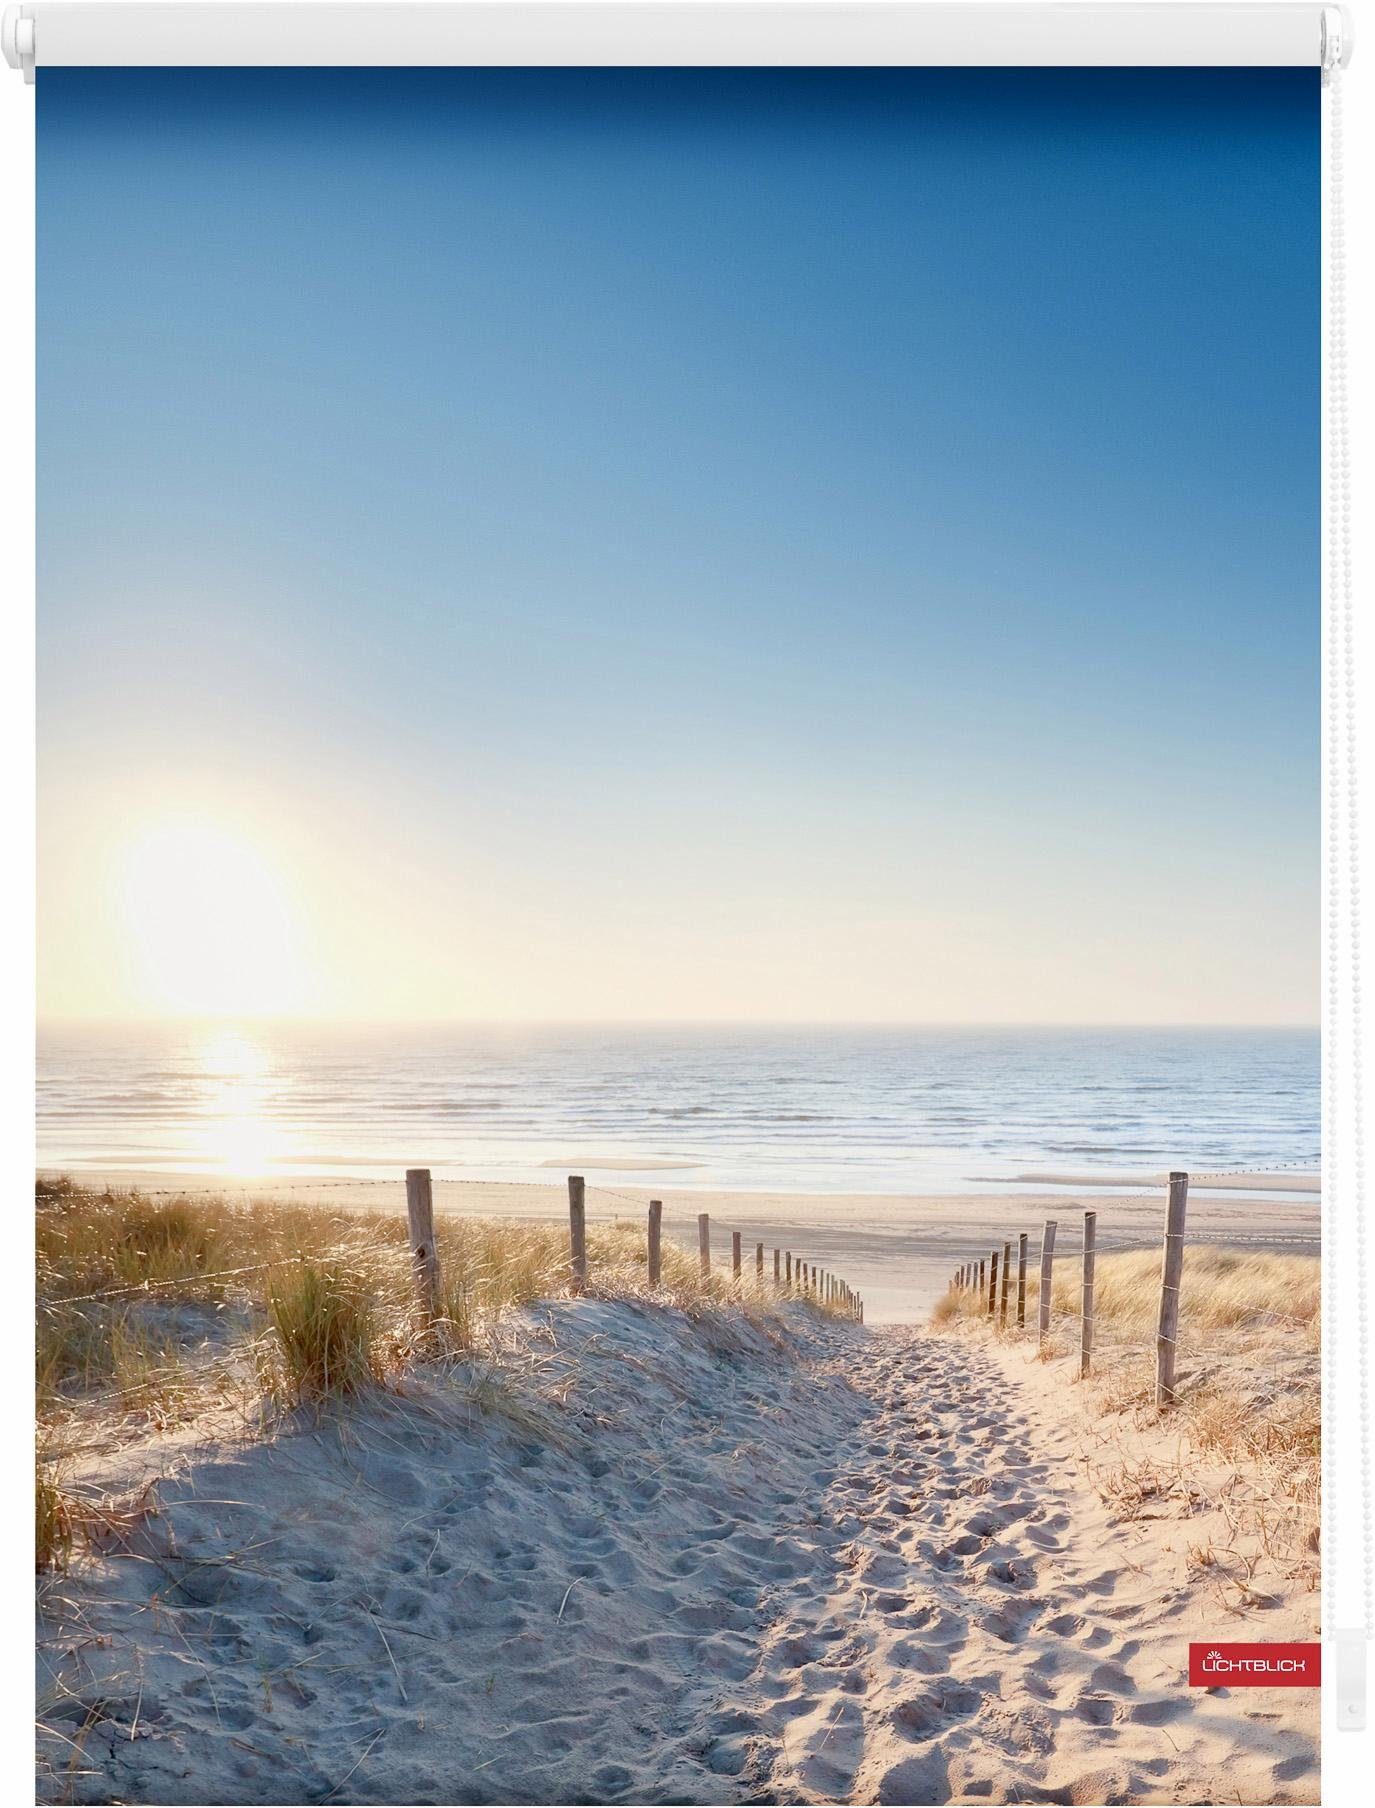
[[783, 1271], [985, 1285], [747, 1257]]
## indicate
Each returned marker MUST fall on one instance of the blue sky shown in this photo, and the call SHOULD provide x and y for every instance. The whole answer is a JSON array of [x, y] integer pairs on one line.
[[760, 544]]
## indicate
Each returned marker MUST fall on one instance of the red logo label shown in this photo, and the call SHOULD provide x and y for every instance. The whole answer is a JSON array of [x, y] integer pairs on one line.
[[1255, 1666]]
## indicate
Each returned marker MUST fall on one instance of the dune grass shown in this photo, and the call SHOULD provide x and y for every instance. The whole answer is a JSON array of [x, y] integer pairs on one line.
[[1223, 1289], [96, 1242], [52, 1517], [325, 1317], [81, 1348], [304, 1302]]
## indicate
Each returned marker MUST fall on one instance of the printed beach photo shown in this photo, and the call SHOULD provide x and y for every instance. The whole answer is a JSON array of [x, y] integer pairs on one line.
[[678, 1067]]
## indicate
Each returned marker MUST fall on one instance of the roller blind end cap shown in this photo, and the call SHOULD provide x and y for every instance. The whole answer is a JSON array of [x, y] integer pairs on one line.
[[17, 40]]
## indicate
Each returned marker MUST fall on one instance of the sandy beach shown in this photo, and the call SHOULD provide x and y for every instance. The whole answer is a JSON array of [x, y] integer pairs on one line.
[[896, 1249], [827, 1563]]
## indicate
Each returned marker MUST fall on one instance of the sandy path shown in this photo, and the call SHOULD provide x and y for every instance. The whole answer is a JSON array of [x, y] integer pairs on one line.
[[988, 1633], [846, 1566]]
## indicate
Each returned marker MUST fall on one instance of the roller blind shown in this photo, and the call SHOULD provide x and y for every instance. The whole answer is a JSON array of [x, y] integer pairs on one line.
[[696, 716]]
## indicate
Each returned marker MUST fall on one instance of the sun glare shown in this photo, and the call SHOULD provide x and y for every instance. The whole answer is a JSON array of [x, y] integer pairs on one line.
[[207, 923], [233, 1126]]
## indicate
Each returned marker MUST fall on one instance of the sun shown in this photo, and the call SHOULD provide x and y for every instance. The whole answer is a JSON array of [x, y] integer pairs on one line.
[[207, 923]]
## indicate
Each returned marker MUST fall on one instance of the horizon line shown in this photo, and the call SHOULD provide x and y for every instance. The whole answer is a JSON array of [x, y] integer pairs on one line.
[[284, 1020]]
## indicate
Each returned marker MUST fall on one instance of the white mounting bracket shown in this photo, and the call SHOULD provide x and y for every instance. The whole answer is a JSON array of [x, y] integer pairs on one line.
[[17, 40], [1337, 37]]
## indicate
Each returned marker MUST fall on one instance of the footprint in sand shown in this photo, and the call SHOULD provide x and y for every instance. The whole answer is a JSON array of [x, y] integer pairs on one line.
[[921, 1717], [1095, 1710]]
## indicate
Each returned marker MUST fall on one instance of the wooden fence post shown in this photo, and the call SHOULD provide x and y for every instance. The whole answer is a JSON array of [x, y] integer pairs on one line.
[[577, 1231], [983, 1268], [1002, 1287], [735, 1253], [788, 1269], [1086, 1302], [656, 1228], [704, 1244], [1047, 1265], [424, 1255], [759, 1263], [992, 1282], [1171, 1274], [1021, 1281], [777, 1266]]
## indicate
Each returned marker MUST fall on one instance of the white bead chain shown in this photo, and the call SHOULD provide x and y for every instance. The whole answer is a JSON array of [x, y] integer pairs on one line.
[[1343, 1038]]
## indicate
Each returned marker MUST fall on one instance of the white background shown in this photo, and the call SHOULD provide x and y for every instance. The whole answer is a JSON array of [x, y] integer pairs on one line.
[[1348, 1758]]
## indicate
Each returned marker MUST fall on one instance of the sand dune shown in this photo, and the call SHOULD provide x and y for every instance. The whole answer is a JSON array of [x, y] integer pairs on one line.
[[658, 1562]]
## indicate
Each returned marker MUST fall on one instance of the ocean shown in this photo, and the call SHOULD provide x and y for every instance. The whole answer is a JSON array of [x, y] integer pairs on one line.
[[798, 1108]]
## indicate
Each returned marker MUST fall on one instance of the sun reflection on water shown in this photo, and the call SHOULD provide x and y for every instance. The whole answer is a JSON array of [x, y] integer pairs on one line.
[[233, 1128]]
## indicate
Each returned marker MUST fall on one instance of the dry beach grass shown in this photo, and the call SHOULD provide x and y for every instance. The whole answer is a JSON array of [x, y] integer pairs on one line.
[[153, 1312]]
